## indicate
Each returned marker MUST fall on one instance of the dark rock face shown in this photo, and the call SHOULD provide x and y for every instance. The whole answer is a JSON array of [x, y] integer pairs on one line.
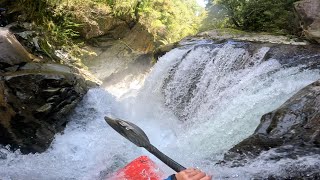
[[290, 56], [296, 121], [293, 128], [35, 98], [164, 49], [34, 105], [308, 12]]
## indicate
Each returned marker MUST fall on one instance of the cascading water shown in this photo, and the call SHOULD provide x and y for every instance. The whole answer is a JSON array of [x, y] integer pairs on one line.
[[197, 102]]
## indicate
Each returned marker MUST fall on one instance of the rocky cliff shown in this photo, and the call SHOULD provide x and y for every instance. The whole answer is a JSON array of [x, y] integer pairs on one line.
[[308, 12], [35, 98]]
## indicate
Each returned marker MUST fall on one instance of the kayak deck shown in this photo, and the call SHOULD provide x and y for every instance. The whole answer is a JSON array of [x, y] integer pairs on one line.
[[142, 168]]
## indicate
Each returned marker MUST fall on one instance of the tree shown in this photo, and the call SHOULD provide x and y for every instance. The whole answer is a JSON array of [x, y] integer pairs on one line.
[[169, 20], [258, 15]]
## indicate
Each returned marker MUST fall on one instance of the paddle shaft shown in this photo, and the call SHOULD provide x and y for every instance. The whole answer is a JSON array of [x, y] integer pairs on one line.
[[164, 158]]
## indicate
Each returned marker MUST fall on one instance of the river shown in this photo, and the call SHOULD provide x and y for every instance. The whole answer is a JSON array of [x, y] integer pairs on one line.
[[195, 104]]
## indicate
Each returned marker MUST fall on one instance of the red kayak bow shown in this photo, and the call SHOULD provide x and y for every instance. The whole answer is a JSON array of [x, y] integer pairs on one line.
[[142, 168]]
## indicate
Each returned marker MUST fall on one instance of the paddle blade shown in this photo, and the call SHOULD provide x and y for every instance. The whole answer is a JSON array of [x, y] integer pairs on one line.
[[129, 130]]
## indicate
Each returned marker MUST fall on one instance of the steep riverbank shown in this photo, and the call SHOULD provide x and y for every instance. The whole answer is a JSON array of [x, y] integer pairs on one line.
[[36, 96]]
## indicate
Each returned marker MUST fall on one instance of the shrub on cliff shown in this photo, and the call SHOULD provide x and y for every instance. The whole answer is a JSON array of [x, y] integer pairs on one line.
[[56, 26], [167, 21], [276, 16]]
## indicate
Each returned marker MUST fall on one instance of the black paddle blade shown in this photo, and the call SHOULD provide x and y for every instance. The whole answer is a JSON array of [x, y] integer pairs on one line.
[[129, 130], [134, 134]]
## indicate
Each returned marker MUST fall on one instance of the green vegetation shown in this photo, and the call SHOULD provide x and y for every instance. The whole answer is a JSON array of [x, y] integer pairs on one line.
[[56, 26], [168, 20], [275, 16], [60, 21]]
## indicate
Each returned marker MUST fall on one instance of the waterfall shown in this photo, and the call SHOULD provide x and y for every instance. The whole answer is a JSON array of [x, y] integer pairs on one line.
[[197, 102]]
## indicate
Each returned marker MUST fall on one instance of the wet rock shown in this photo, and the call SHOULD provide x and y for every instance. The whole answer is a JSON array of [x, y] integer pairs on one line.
[[162, 50], [298, 120], [12, 52], [35, 98], [29, 121], [31, 40], [3, 155], [225, 34], [45, 108], [295, 124], [308, 13], [290, 56]]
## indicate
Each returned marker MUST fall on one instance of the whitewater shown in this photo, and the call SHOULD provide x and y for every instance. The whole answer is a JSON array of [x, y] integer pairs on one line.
[[195, 104]]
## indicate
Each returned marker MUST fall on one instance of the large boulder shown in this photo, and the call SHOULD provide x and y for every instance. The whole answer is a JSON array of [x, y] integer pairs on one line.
[[35, 98], [308, 12], [293, 128], [34, 104]]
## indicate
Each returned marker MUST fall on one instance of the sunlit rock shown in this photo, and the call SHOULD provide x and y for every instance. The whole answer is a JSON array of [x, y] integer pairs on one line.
[[308, 12], [103, 23], [12, 52]]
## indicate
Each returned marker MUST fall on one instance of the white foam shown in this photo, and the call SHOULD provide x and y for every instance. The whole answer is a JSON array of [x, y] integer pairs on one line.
[[224, 108]]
